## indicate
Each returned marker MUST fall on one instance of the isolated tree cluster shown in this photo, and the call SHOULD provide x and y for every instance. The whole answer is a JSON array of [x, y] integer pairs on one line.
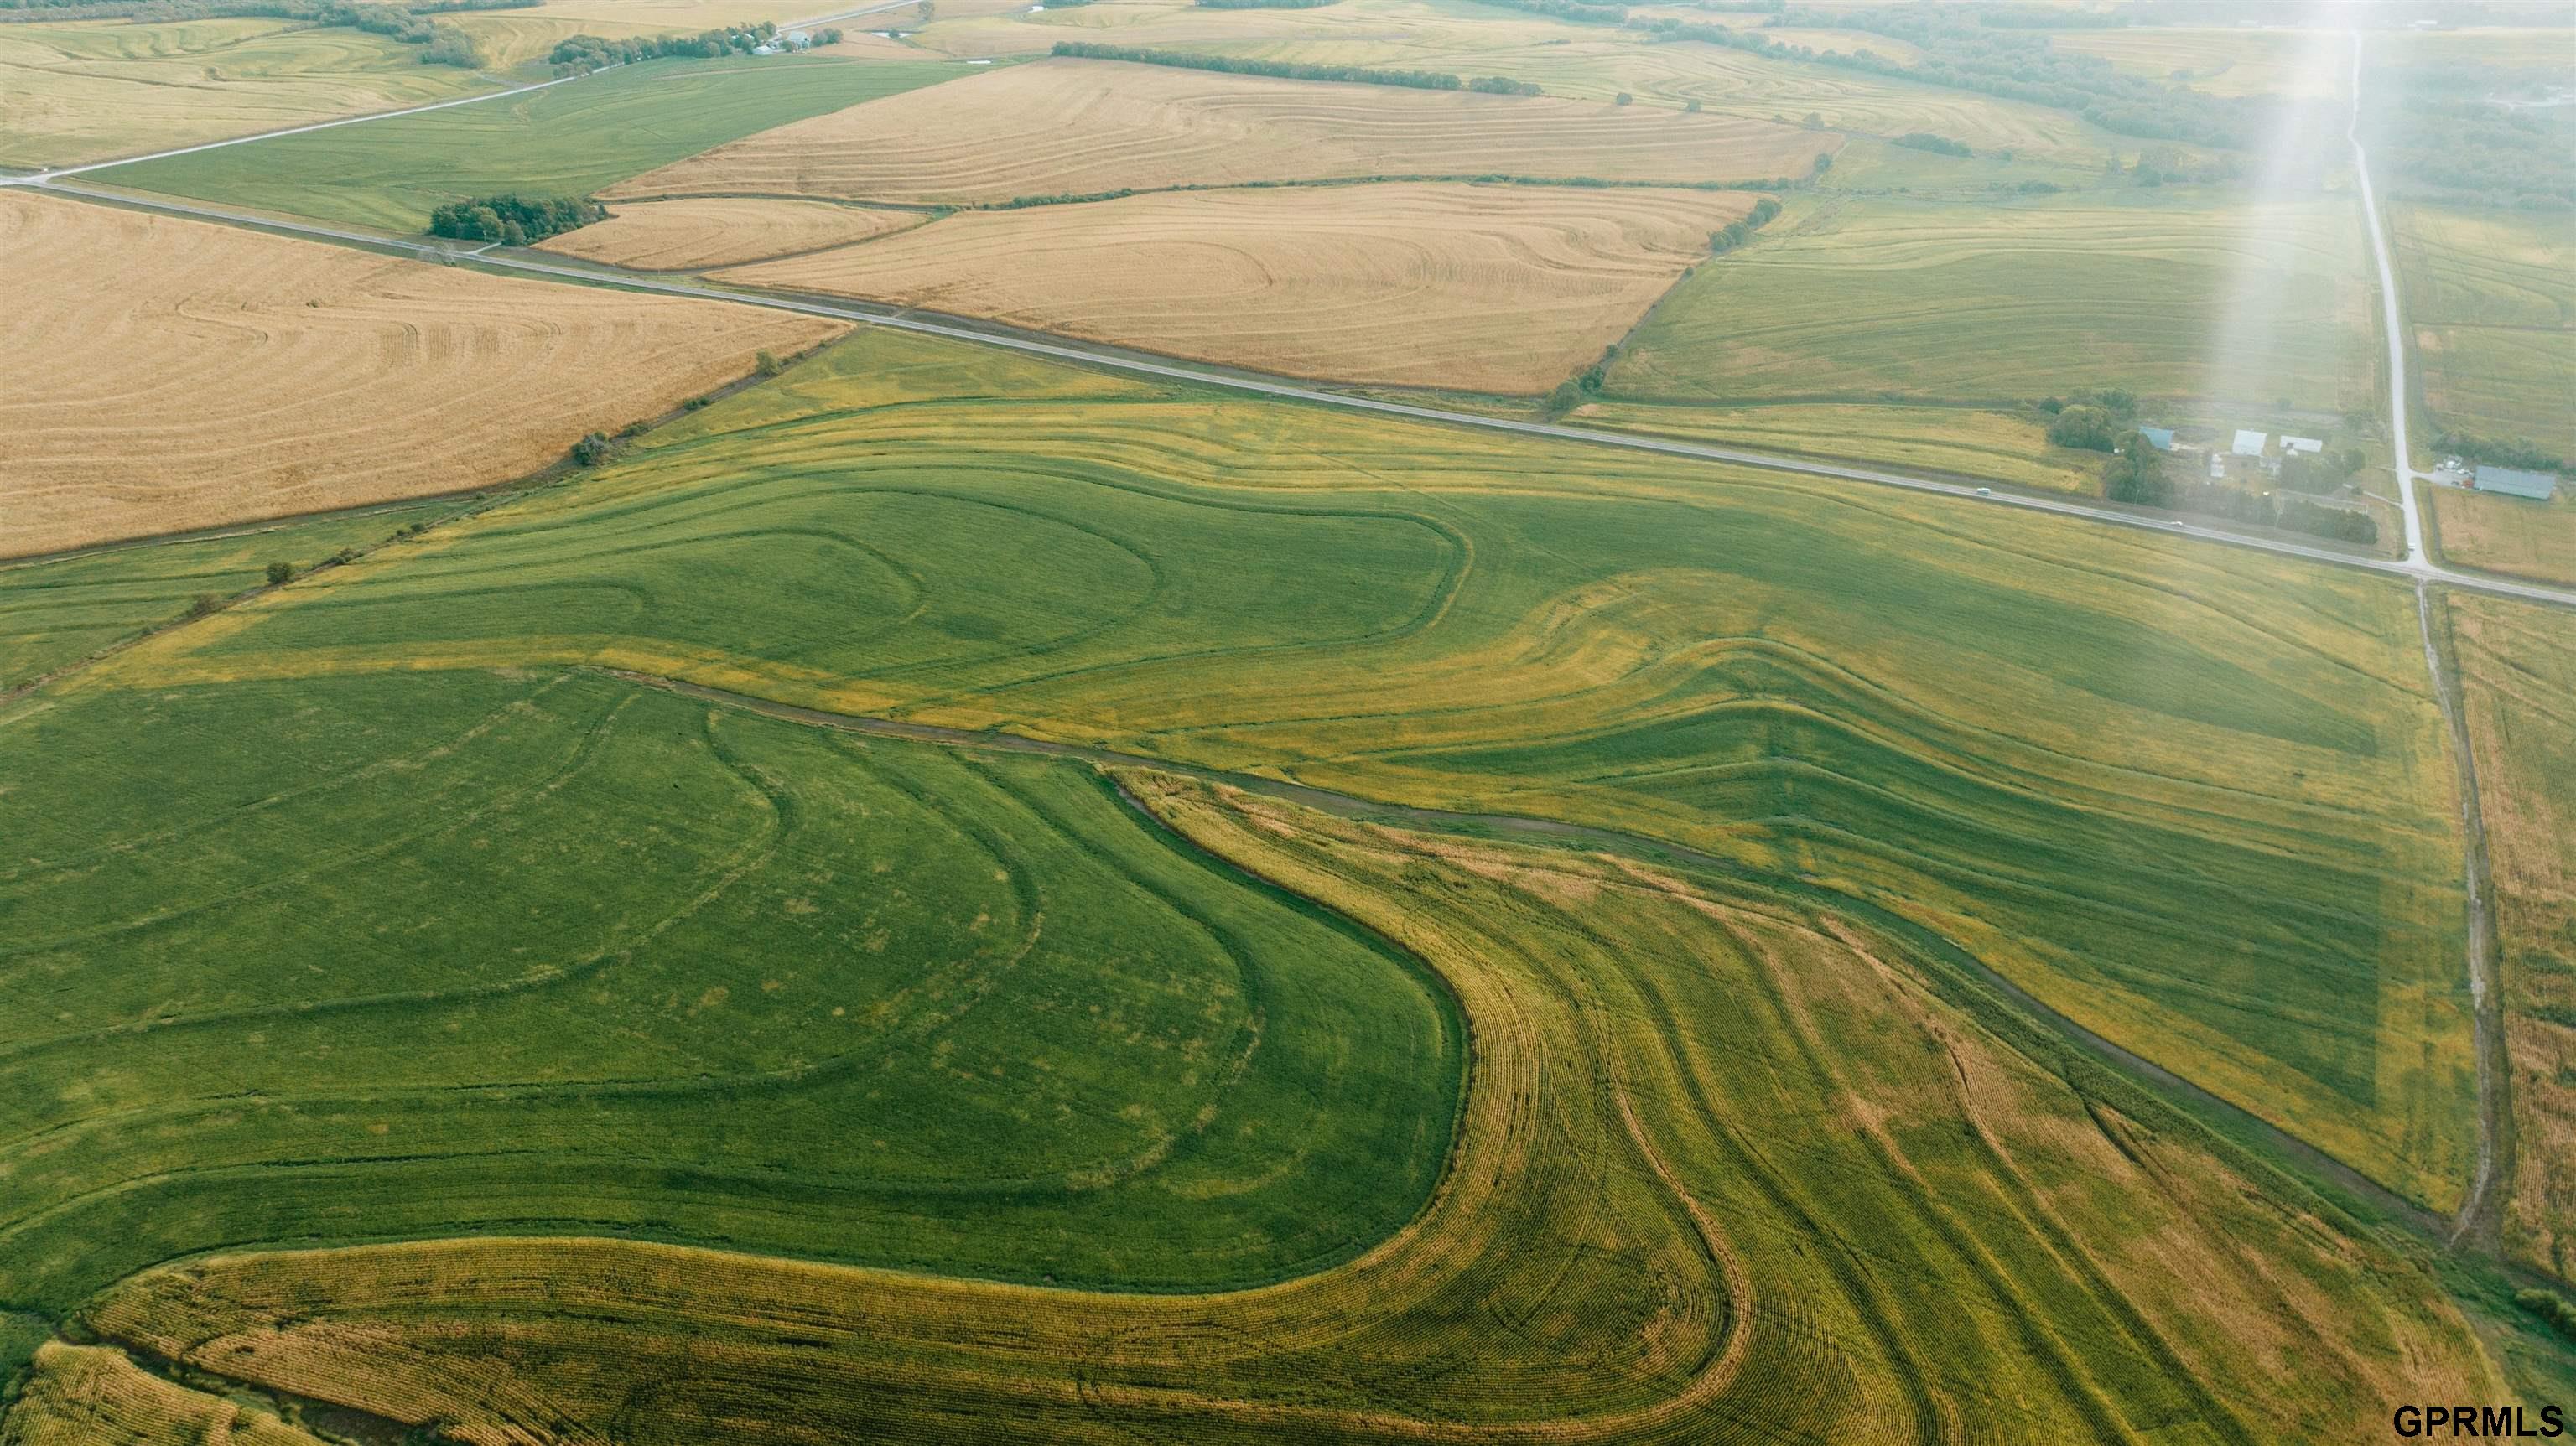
[[512, 220]]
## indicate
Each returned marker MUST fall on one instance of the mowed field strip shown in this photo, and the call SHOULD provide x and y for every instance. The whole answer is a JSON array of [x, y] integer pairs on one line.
[[1486, 622], [2165, 295], [1084, 127], [1479, 288], [159, 375], [90, 91], [722, 231]]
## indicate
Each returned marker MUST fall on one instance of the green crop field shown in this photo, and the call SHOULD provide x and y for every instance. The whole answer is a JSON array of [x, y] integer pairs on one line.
[[2491, 299], [56, 611], [2169, 294], [397, 956], [2517, 665], [569, 140], [1727, 1160], [94, 90], [2001, 446], [2030, 737]]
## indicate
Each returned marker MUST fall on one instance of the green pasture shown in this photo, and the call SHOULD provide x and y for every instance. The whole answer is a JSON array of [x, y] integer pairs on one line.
[[57, 611], [2193, 796], [569, 140], [2168, 295], [335, 960]]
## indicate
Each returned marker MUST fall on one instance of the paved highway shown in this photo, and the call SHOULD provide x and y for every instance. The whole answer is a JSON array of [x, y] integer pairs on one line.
[[527, 264]]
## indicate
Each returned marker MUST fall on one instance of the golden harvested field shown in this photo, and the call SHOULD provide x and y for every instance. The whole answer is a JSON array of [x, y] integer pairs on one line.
[[94, 1396], [1481, 288], [723, 231], [95, 90], [2511, 535], [159, 375], [2518, 667], [1083, 127]]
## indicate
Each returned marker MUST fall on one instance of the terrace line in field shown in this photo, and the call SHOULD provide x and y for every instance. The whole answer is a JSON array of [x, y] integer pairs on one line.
[[722, 231], [1725, 1157], [2032, 735], [1085, 127], [1481, 288], [160, 375]]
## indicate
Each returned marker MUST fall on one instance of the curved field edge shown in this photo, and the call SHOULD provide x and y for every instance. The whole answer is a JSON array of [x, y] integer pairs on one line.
[[1647, 1234]]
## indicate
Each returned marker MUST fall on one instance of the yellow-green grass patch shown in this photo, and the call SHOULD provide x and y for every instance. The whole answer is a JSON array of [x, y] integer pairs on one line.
[[2304, 64], [2517, 536], [2196, 797], [1964, 441], [2491, 300], [98, 1396], [1865, 299], [98, 89]]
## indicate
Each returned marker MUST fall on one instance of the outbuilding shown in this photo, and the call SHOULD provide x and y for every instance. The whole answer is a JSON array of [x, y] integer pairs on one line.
[[2309, 445], [2160, 438], [2249, 444], [2538, 486]]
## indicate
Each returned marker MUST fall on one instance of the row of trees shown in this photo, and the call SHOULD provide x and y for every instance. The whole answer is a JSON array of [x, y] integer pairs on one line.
[[2503, 452], [593, 52], [512, 220], [1290, 70], [1938, 145], [1735, 233]]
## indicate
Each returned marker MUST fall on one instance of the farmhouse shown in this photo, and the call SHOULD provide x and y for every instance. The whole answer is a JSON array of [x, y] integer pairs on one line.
[[2538, 486]]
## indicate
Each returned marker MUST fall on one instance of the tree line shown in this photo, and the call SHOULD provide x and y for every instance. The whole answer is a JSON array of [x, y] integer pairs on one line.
[[1290, 70], [512, 220], [593, 52], [2519, 452]]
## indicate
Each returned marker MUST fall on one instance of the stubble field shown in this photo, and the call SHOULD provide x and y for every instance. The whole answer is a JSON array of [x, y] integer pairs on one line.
[[96, 90], [1482, 288], [160, 375], [722, 231], [1084, 127]]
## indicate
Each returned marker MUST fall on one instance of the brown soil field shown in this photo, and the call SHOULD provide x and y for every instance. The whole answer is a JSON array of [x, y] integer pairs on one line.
[[160, 375], [1482, 288], [723, 231], [1083, 127]]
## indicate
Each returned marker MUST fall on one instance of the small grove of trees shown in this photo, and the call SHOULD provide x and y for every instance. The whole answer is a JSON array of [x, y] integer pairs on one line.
[[1281, 69], [2321, 473], [512, 220], [280, 573], [1735, 233], [1584, 386], [1502, 85], [1926, 141], [2550, 1306], [2091, 418]]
